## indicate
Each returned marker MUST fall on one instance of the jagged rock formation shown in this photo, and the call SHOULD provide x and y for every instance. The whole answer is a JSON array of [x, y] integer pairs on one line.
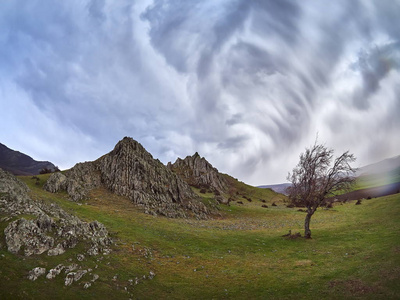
[[49, 228], [19, 163], [129, 170], [198, 172]]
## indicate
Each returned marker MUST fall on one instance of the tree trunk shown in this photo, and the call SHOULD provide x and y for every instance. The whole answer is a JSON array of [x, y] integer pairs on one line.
[[307, 231]]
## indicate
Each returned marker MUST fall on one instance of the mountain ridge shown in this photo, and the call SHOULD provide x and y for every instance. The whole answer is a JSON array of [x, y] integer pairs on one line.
[[19, 163]]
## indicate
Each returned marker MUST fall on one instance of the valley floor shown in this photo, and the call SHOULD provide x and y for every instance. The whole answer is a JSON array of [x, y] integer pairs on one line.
[[354, 253]]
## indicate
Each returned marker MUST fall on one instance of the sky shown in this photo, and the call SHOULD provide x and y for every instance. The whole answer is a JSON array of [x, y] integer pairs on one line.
[[246, 84]]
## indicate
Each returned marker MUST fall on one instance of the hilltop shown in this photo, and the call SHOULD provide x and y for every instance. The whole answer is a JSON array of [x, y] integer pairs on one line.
[[19, 163]]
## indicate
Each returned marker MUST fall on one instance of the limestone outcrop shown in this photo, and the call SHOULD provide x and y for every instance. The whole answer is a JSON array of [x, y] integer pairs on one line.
[[49, 228], [129, 170], [198, 172]]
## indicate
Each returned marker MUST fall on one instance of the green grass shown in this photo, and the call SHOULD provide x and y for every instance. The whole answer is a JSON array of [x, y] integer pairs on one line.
[[354, 253]]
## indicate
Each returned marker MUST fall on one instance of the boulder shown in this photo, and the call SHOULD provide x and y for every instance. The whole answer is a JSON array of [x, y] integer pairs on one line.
[[56, 182], [35, 273], [25, 233], [54, 272]]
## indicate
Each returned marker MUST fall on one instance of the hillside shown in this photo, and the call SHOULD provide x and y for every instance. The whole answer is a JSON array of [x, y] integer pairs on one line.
[[203, 177], [126, 226], [239, 255], [21, 164]]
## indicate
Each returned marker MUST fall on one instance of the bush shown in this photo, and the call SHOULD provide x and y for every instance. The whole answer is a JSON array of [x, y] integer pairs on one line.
[[45, 171]]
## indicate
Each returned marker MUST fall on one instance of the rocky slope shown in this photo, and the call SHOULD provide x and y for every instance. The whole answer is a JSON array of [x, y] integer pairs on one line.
[[21, 164], [198, 172], [129, 170], [35, 227]]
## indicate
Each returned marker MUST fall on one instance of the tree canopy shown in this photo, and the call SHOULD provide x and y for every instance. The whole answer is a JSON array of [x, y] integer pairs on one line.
[[317, 176]]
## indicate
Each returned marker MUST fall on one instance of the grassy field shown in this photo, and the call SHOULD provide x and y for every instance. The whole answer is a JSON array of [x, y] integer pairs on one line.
[[241, 254]]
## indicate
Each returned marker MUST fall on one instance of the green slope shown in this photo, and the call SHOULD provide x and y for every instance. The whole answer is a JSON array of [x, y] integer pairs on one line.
[[239, 255]]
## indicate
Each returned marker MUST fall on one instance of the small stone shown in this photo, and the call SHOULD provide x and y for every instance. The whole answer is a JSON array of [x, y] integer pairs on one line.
[[87, 285], [54, 272], [35, 273], [69, 279], [80, 257]]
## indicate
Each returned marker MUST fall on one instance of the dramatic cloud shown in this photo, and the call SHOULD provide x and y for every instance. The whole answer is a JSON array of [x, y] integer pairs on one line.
[[247, 84]]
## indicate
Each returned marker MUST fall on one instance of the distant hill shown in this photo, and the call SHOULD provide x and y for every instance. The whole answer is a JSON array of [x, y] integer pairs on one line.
[[278, 188], [19, 163], [383, 173], [379, 174], [383, 166]]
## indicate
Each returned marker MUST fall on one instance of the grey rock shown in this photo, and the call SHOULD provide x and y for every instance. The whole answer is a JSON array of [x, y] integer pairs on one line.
[[69, 279], [54, 272], [79, 274], [26, 233], [87, 285], [52, 226], [71, 268], [198, 172], [35, 273], [151, 275], [58, 250], [129, 170], [80, 257], [56, 182]]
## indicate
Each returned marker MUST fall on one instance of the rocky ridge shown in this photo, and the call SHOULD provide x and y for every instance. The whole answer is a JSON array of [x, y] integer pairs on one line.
[[45, 227], [129, 170], [199, 173]]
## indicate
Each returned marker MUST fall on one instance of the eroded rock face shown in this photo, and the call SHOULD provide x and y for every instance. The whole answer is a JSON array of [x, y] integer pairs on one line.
[[198, 172], [50, 230], [56, 182], [25, 233], [129, 170]]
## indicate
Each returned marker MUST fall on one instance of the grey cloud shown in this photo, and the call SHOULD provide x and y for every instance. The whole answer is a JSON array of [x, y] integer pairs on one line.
[[245, 83], [233, 143], [374, 66]]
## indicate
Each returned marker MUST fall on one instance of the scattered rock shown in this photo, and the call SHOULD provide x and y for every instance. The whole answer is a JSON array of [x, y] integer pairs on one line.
[[151, 275], [59, 249], [54, 272], [87, 285], [25, 233], [80, 257], [69, 279], [52, 226], [35, 273], [79, 274], [358, 202], [71, 268], [265, 206]]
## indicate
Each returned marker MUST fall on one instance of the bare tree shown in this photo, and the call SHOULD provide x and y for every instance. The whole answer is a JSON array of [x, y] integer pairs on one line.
[[315, 178]]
